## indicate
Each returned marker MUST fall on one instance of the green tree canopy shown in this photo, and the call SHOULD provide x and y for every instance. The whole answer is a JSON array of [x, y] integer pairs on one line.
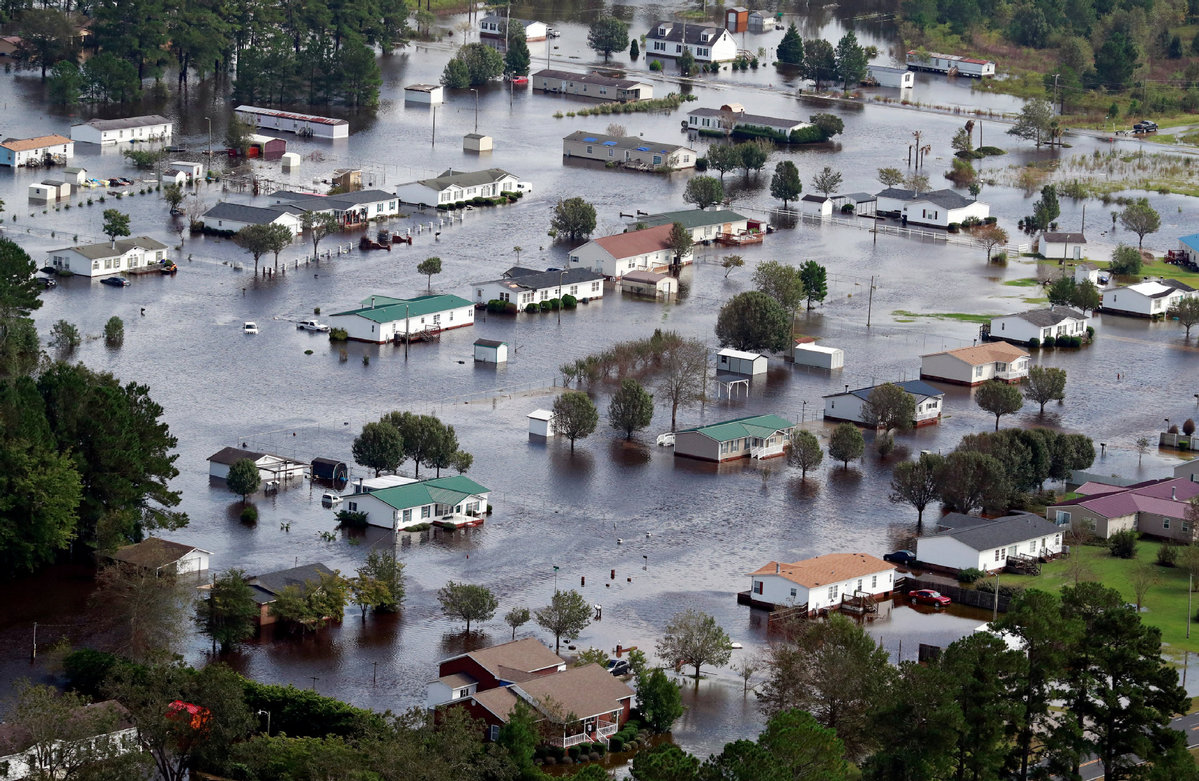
[[815, 282], [575, 416], [573, 219], [631, 408], [703, 191], [1045, 384], [846, 444], [243, 477], [606, 35], [115, 224], [467, 602], [890, 408], [805, 451], [1140, 218], [999, 398], [429, 267], [785, 185], [694, 638], [753, 321], [229, 613], [916, 482], [851, 61], [566, 616], [379, 447], [782, 282], [790, 49], [517, 58], [826, 181]]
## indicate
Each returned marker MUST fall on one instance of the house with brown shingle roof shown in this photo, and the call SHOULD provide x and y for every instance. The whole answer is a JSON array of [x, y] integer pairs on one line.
[[17, 152], [975, 365], [615, 256], [821, 583], [155, 553]]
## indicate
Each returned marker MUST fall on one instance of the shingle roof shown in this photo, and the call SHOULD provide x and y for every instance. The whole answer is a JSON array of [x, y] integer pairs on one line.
[[692, 218], [642, 242], [1073, 238], [1001, 532], [1169, 497], [1174, 283], [274, 582], [240, 212], [452, 178], [388, 309], [153, 553], [521, 658], [624, 142], [537, 280], [644, 276], [830, 568], [439, 490], [740, 117], [231, 455], [754, 426], [898, 193], [947, 199], [694, 32], [587, 78], [38, 142], [917, 388], [1047, 317], [127, 122], [580, 691], [108, 249], [489, 343], [1155, 289], [500, 702], [981, 354]]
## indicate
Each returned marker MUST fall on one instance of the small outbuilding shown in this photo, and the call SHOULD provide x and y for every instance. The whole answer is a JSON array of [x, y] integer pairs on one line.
[[74, 174], [816, 205], [429, 94], [61, 189], [41, 192], [649, 284], [265, 147], [729, 361], [757, 22], [807, 354], [291, 161], [736, 19], [158, 555], [477, 142], [1070, 246], [491, 351], [541, 423], [330, 470]]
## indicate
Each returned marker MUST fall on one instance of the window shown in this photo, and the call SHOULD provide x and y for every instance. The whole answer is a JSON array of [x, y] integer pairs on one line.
[[1011, 551], [472, 508], [757, 587], [353, 506], [978, 371], [1062, 517], [832, 593], [793, 592], [588, 149], [1165, 523], [859, 584], [595, 286], [611, 152], [998, 553], [408, 516], [425, 511], [873, 581], [1032, 546]]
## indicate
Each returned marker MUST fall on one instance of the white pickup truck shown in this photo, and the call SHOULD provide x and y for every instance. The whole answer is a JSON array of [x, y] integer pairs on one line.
[[312, 325]]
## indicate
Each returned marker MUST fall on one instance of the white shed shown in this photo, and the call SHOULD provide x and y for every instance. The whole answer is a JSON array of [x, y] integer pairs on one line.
[[819, 356], [885, 76], [1063, 245], [74, 174], [1085, 272], [291, 161], [430, 94], [816, 205], [491, 351], [41, 192], [61, 189], [731, 361], [541, 423], [477, 142]]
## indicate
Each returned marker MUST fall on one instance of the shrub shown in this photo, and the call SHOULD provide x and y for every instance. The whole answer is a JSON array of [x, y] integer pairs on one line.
[[545, 306], [573, 751], [569, 301], [971, 222], [511, 308], [350, 518], [338, 335], [1049, 342], [1188, 427], [1167, 554], [531, 308], [1123, 544], [701, 164], [990, 220], [1090, 333], [616, 743], [555, 304], [954, 227], [1034, 343], [807, 135], [249, 514], [987, 586], [1173, 429], [970, 574], [847, 208], [655, 65]]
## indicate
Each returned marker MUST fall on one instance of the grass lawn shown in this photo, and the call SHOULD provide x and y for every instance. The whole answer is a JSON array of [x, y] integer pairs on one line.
[[1025, 282], [1165, 605], [961, 316]]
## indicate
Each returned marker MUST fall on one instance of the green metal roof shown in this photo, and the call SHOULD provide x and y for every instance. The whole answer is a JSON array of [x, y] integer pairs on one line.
[[387, 309], [692, 218], [439, 490], [761, 426]]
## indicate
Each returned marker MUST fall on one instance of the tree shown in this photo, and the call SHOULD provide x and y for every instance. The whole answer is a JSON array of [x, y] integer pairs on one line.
[[243, 478], [1061, 291], [429, 267], [467, 602], [694, 639], [917, 183], [443, 452], [387, 572], [566, 616], [790, 49], [703, 191], [574, 219], [963, 141], [890, 408], [606, 35], [846, 444], [990, 237], [634, 50], [228, 614], [829, 125], [983, 674], [753, 321], [145, 610], [1116, 60], [516, 618], [851, 61], [173, 195], [731, 262], [519, 736], [482, 62], [45, 37], [686, 63], [1045, 384], [680, 242], [891, 177], [815, 282], [921, 696], [1086, 296], [999, 398], [575, 416], [826, 181], [517, 58], [455, 75], [65, 336], [781, 282], [820, 61], [379, 447], [419, 433], [631, 408], [1046, 210], [969, 481], [256, 240], [278, 238], [1186, 312], [115, 224], [723, 158], [684, 376], [1126, 261], [658, 699], [754, 154], [1140, 218], [318, 225], [916, 482], [805, 452], [1034, 123], [310, 604], [785, 185], [664, 762], [65, 83]]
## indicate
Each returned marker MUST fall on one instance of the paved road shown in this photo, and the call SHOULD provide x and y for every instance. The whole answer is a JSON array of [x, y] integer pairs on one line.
[[1188, 725]]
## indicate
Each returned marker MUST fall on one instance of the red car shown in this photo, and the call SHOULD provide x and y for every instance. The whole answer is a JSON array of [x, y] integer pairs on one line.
[[926, 596]]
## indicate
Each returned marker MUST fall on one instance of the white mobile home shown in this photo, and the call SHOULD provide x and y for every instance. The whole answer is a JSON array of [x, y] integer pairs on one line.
[[381, 319], [524, 286], [631, 151], [848, 406], [950, 64], [939, 208], [758, 436], [1040, 324], [732, 117], [430, 94], [270, 466], [591, 85], [1146, 299], [706, 225], [1188, 247], [456, 500], [821, 357], [18, 152], [310, 125], [106, 258], [118, 131], [157, 555], [895, 78], [730, 361], [615, 256], [820, 583], [226, 216], [496, 26], [987, 544], [458, 186], [976, 365]]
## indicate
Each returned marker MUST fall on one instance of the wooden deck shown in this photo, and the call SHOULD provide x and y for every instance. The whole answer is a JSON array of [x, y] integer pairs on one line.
[[739, 239]]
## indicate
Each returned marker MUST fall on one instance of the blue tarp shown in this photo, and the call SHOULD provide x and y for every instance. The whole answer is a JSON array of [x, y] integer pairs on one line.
[[609, 143], [643, 149], [589, 140]]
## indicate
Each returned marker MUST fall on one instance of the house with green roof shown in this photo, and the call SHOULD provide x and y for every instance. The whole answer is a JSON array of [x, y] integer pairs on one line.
[[758, 436], [455, 500], [382, 319], [707, 225]]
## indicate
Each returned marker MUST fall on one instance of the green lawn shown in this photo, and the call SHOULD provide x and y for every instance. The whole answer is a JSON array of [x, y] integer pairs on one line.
[[1025, 282], [1165, 605], [1160, 268], [962, 316]]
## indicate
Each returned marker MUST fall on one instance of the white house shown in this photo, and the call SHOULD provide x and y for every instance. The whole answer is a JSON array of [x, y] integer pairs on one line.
[[351, 209], [541, 423], [732, 117], [730, 361], [491, 351], [382, 319], [614, 256], [987, 544], [17, 152], [1040, 323], [885, 76], [939, 207], [631, 151], [495, 26], [705, 225], [311, 125], [822, 582], [950, 64], [816, 205], [455, 186], [270, 466], [807, 354], [1068, 246], [22, 758], [227, 216], [456, 500], [706, 44], [157, 554], [1087, 272], [430, 94], [976, 365], [98, 260], [1188, 247], [524, 286], [115, 131], [1146, 299], [757, 436], [847, 406]]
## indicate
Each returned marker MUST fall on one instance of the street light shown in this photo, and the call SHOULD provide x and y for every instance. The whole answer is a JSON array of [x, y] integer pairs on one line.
[[407, 333], [476, 109], [267, 713], [209, 120]]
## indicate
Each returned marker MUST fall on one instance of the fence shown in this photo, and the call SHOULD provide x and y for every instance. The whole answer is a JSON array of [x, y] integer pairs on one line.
[[963, 596]]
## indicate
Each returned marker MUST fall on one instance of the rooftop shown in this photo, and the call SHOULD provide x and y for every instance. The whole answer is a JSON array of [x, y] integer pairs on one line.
[[623, 142], [273, 582], [587, 78], [1051, 316], [440, 490], [240, 212], [584, 691], [452, 178], [127, 122], [530, 279], [918, 388], [231, 455], [37, 142], [1001, 532], [386, 309], [991, 352], [692, 218], [695, 33], [1191, 240], [754, 426], [1156, 288], [823, 570], [633, 243], [106, 249], [740, 116], [153, 553], [269, 112], [1170, 497], [1072, 238], [514, 661]]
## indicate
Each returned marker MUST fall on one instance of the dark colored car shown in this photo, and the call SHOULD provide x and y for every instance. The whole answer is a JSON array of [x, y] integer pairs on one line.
[[900, 557], [1145, 126], [115, 281], [619, 667], [47, 282], [926, 596]]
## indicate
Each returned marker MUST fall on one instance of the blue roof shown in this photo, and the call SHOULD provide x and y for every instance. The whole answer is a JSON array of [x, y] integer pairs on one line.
[[1191, 241]]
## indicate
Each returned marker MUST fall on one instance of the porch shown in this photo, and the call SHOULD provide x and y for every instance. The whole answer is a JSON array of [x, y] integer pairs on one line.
[[739, 239], [595, 729]]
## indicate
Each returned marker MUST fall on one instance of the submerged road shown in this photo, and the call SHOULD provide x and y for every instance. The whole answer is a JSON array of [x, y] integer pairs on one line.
[[1187, 725]]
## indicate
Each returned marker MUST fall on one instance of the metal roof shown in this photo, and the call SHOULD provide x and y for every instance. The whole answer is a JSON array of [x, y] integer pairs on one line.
[[109, 249], [754, 426], [917, 388], [240, 212], [387, 310], [623, 142], [440, 490], [127, 122]]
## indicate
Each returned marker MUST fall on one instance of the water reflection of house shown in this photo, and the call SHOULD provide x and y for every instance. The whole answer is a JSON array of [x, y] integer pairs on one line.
[[575, 705]]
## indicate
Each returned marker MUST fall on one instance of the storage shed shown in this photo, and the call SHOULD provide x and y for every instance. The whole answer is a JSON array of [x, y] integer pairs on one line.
[[541, 423], [757, 22], [477, 142], [61, 189], [265, 147], [430, 94], [331, 471], [649, 284], [74, 174], [41, 192], [819, 356], [491, 351], [736, 20], [729, 361], [291, 161]]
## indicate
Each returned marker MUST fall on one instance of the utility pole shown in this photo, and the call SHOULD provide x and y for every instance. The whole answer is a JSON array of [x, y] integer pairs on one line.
[[1055, 102], [917, 136], [870, 299], [434, 126], [995, 600], [1084, 217]]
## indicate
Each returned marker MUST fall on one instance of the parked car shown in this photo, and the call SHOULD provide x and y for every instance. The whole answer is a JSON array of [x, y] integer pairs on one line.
[[1145, 126], [619, 667], [47, 282], [115, 281], [900, 557], [312, 325], [330, 498], [926, 596], [250, 328]]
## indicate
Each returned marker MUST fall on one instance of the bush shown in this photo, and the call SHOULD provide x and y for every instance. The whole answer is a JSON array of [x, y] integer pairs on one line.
[[569, 301], [573, 752], [350, 518], [555, 304], [1188, 427], [1034, 343], [511, 308], [1049, 342], [988, 151], [807, 135], [970, 574], [990, 220], [655, 65], [1090, 333], [847, 208], [701, 164], [545, 306], [954, 227], [987, 586], [1123, 544], [616, 743], [531, 308], [1167, 554], [249, 514], [338, 335], [1173, 429]]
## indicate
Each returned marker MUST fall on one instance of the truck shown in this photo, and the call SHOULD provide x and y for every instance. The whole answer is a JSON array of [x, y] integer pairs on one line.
[[312, 325]]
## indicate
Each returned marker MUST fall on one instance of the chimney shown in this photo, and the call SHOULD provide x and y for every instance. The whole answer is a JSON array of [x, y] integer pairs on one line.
[[372, 302], [1173, 493], [777, 568], [360, 485]]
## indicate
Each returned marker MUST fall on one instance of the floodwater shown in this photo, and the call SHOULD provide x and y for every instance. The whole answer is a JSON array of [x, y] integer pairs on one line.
[[650, 534]]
